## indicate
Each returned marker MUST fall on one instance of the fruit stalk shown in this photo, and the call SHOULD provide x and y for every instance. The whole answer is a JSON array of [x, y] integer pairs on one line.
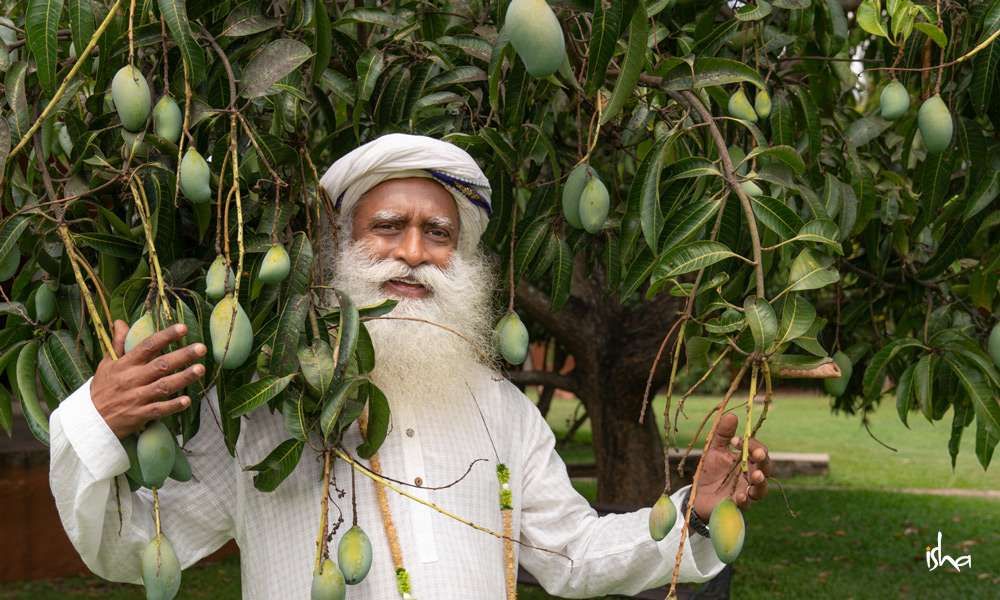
[[156, 510], [142, 207], [324, 504], [744, 460], [666, 407]]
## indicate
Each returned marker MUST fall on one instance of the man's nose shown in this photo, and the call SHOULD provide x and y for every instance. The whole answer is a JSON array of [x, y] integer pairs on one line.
[[411, 248]]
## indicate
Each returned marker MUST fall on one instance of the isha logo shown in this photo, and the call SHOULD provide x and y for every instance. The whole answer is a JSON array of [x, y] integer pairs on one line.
[[935, 558]]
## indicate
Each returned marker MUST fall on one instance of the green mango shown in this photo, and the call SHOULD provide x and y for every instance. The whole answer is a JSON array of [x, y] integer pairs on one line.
[[218, 278], [156, 451], [662, 518], [241, 340], [8, 268], [572, 190], [936, 126], [594, 205], [131, 97], [536, 35], [751, 189], [728, 530], [195, 177], [329, 583], [993, 345], [134, 473], [354, 553], [894, 101], [181, 471], [736, 154], [45, 302], [739, 107], [512, 338], [762, 104], [140, 330], [161, 571], [836, 386], [167, 119], [275, 265]]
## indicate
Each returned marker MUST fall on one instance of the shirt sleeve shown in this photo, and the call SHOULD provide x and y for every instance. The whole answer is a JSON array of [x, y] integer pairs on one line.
[[86, 469], [612, 554]]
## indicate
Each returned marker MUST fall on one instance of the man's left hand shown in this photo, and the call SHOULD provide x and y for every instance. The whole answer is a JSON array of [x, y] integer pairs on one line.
[[721, 468]]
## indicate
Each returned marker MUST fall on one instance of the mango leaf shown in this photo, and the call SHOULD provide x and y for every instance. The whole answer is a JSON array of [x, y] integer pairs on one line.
[[708, 72], [932, 31], [246, 19], [635, 61], [904, 394], [293, 410], [364, 350], [334, 400], [6, 411], [985, 193], [27, 391], [175, 14], [797, 316], [285, 345], [776, 216], [870, 18], [528, 245], [645, 192], [923, 384], [48, 374], [273, 62], [66, 357], [112, 244], [986, 442], [728, 322], [347, 334], [316, 364], [277, 466], [378, 422], [809, 341], [690, 257], [753, 12], [81, 23], [456, 76], [865, 129], [251, 395], [300, 255], [374, 16], [961, 417], [808, 274], [762, 321], [983, 396], [323, 43], [41, 23], [562, 275], [985, 71], [10, 232], [605, 29], [690, 221], [785, 154], [875, 372]]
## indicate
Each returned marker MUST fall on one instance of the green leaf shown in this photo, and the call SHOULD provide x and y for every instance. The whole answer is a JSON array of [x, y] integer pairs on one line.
[[985, 65], [347, 333], [728, 322], [708, 72], [689, 222], [753, 12], [606, 26], [562, 275], [776, 216], [875, 372], [316, 364], [762, 321], [457, 76], [334, 400], [932, 31], [870, 18], [528, 245], [252, 395], [923, 385], [278, 465], [810, 114], [49, 375], [293, 410], [6, 411], [985, 401], [41, 24], [81, 23], [175, 14], [300, 255], [986, 442], [635, 61], [985, 193], [961, 417], [501, 147], [690, 257], [272, 63], [66, 357], [865, 129], [374, 16], [284, 348], [112, 244], [378, 422], [809, 341], [645, 192], [821, 231], [797, 316], [246, 19], [904, 394], [323, 44], [27, 366], [808, 274], [785, 154]]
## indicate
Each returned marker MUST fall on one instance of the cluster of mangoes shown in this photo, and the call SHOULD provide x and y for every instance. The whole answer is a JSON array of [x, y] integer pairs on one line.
[[933, 118], [585, 199], [740, 107], [726, 526], [132, 99], [354, 555], [534, 31]]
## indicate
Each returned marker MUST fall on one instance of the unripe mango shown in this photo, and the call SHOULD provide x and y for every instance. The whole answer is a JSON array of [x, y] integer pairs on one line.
[[571, 193], [275, 265], [727, 529], [739, 107], [751, 189], [195, 177], [662, 518], [536, 36], [329, 583], [241, 339], [161, 571], [45, 302], [512, 338], [594, 205], [130, 442], [130, 94], [10, 264], [762, 104], [836, 386], [935, 124], [993, 345], [167, 119], [894, 100], [156, 451], [219, 276], [354, 555], [140, 330], [181, 471]]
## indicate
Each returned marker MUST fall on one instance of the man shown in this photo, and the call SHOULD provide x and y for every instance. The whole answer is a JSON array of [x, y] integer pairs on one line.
[[411, 210]]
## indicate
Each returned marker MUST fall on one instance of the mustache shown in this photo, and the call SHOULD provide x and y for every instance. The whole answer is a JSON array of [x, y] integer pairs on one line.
[[377, 271]]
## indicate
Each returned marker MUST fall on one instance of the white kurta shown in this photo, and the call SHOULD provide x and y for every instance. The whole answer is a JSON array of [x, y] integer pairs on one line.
[[276, 531]]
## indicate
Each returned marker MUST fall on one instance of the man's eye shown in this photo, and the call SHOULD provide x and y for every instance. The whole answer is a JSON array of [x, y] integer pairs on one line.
[[385, 226], [440, 233]]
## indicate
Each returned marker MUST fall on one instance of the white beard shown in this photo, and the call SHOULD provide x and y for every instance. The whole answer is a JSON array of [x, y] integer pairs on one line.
[[417, 361]]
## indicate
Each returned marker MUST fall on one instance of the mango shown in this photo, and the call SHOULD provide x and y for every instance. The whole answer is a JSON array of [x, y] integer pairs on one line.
[[739, 107], [64, 139], [161, 571], [240, 337], [594, 205], [218, 278], [512, 338], [181, 471], [329, 583], [167, 119], [836, 386], [45, 302], [195, 177], [571, 193], [10, 264], [662, 518], [751, 189], [131, 97], [140, 330], [275, 266], [156, 451], [762, 104], [935, 124], [134, 473], [354, 553], [993, 345], [536, 36], [894, 101], [727, 530]]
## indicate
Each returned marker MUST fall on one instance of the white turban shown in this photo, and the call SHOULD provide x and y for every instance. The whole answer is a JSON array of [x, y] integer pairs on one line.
[[399, 155]]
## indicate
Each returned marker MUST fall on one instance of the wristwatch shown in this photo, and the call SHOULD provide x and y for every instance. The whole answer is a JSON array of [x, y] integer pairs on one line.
[[696, 524]]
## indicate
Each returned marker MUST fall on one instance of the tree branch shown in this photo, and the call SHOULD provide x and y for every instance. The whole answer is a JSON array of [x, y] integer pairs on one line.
[[549, 378]]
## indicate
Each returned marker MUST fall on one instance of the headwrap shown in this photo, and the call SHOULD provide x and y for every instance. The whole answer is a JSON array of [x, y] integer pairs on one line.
[[399, 155]]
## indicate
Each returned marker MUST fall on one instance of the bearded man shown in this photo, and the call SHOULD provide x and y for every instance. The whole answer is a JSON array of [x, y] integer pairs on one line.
[[411, 211]]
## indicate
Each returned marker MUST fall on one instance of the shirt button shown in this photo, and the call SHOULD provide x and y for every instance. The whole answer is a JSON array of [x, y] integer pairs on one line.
[[418, 481], [409, 432]]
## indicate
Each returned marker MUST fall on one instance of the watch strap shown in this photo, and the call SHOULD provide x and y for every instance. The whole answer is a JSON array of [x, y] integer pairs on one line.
[[696, 524]]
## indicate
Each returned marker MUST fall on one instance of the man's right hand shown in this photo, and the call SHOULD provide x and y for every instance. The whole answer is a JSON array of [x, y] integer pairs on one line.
[[138, 387]]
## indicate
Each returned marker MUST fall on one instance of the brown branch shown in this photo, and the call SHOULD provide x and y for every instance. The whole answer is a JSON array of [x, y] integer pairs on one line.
[[547, 378]]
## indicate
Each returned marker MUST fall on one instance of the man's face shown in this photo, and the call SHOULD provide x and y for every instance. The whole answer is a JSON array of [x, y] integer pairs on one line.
[[414, 220]]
